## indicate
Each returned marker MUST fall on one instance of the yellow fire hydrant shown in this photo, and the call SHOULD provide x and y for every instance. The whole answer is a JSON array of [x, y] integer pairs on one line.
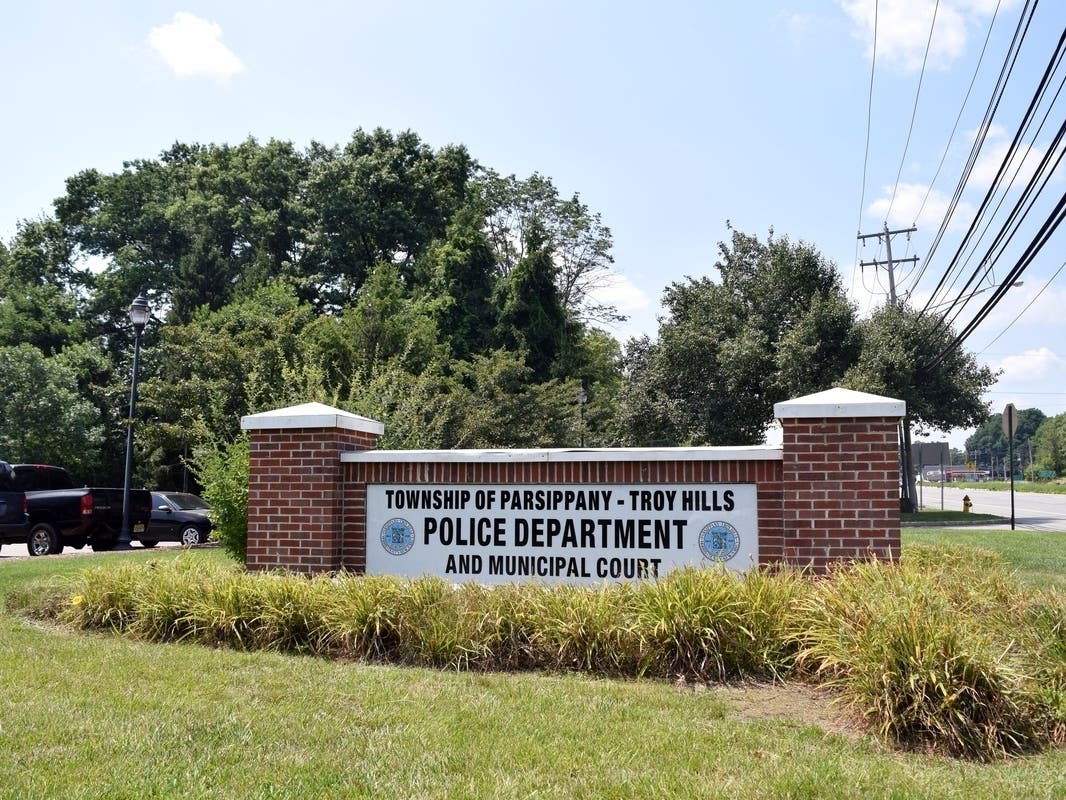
[[967, 504]]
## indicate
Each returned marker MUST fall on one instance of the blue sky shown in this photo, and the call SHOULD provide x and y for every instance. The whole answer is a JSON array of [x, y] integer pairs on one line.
[[668, 119]]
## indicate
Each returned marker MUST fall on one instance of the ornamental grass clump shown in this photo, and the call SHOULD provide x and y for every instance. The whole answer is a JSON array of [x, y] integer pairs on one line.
[[935, 655], [435, 626], [363, 617], [944, 651], [710, 624], [586, 629], [106, 598]]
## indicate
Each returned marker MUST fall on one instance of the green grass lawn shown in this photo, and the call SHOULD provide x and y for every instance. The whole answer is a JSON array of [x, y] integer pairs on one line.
[[936, 517], [100, 716], [1038, 487], [1038, 557]]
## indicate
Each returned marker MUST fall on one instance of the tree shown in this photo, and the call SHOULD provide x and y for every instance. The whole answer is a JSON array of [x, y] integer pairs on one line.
[[1049, 444], [379, 272], [531, 313], [578, 242], [196, 227], [776, 323], [240, 359], [460, 274], [384, 197], [988, 442], [384, 325], [899, 349], [43, 419], [39, 290]]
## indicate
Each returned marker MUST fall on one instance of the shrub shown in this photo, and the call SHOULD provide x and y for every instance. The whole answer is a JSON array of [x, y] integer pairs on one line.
[[222, 470], [934, 654]]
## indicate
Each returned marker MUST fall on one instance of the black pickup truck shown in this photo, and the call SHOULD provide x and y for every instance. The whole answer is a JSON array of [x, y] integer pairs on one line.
[[40, 506]]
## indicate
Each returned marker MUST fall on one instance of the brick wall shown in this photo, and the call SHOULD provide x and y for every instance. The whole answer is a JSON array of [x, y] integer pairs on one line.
[[831, 494], [840, 489], [295, 491], [296, 498]]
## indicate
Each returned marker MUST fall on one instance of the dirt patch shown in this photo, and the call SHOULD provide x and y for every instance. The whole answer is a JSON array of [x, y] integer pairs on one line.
[[795, 702]]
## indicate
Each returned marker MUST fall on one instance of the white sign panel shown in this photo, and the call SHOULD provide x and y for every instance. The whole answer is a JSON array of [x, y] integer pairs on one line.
[[581, 533]]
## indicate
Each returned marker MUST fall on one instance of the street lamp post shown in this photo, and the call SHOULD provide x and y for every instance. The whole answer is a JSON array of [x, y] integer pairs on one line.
[[139, 314], [582, 398]]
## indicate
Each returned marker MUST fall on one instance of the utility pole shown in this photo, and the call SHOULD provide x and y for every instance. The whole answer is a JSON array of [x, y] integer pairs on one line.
[[908, 498], [888, 262]]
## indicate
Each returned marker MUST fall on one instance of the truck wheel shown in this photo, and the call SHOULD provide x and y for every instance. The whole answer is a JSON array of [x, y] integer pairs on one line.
[[191, 535], [43, 540], [101, 544], [148, 542]]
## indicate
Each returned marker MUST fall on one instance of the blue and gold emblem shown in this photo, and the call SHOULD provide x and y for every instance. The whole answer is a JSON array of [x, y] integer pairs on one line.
[[397, 536], [719, 541]]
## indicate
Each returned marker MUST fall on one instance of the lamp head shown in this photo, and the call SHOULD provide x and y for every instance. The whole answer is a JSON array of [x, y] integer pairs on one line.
[[139, 313]]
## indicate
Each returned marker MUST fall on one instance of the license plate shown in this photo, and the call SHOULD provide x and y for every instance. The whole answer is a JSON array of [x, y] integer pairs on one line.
[[138, 528]]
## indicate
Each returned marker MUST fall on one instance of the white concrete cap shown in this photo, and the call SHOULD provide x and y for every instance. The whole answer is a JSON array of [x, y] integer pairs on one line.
[[840, 404], [563, 455], [311, 415]]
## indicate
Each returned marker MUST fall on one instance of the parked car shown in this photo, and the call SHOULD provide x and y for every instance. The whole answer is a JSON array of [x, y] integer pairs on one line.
[[14, 516], [178, 517], [42, 508]]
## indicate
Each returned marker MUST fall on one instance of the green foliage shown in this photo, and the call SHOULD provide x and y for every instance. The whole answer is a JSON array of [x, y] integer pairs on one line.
[[532, 318], [1049, 444], [384, 197], [222, 470], [708, 625], [523, 216], [777, 322], [941, 652], [898, 345], [460, 272], [945, 651], [43, 418], [385, 327], [246, 357], [490, 401], [39, 300], [989, 438]]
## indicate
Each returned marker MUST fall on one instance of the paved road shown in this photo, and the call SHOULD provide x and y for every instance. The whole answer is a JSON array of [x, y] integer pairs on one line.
[[1038, 512], [12, 551]]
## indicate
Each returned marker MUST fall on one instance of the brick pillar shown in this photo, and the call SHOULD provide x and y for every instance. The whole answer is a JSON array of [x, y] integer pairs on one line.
[[295, 484], [840, 477]]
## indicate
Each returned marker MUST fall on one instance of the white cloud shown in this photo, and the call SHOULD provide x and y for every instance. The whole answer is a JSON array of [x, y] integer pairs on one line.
[[632, 301], [903, 28], [622, 293], [1024, 162], [192, 47], [908, 203], [1032, 365], [1047, 309]]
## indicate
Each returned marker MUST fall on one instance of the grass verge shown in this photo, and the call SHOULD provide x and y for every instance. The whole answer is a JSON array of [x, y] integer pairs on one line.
[[122, 719], [1037, 487], [947, 518]]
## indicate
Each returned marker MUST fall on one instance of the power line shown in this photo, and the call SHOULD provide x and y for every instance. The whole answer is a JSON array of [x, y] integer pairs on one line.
[[1027, 307], [1036, 244], [1010, 59], [997, 182], [958, 117], [1017, 215], [914, 113], [866, 155]]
